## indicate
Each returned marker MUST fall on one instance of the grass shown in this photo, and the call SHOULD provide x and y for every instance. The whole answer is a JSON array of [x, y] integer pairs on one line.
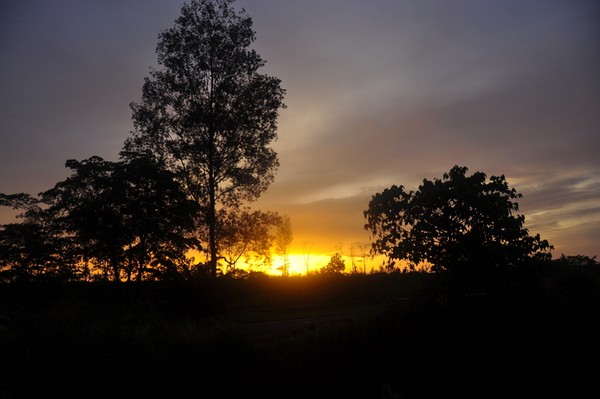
[[378, 336]]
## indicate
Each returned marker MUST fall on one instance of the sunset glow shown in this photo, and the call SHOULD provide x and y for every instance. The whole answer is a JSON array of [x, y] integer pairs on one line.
[[311, 263]]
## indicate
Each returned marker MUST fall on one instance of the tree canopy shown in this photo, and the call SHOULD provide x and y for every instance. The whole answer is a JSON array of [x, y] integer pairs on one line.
[[126, 219], [131, 216], [33, 248], [456, 222], [247, 235], [208, 114]]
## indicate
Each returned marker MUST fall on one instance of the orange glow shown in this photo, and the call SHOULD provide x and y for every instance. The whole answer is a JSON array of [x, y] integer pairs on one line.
[[303, 263], [299, 264]]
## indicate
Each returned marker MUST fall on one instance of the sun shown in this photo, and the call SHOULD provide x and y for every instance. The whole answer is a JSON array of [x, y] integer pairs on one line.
[[299, 264], [302, 264]]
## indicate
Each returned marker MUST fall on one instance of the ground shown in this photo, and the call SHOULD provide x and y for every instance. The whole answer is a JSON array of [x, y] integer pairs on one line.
[[516, 334]]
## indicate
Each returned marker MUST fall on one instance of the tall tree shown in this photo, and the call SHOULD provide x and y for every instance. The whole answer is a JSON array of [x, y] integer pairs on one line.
[[208, 114], [456, 223]]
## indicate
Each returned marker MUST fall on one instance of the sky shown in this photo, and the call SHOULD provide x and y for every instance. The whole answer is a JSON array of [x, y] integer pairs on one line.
[[377, 93]]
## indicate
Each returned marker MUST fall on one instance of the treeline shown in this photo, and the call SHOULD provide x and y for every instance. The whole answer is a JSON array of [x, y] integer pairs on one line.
[[127, 219], [123, 221]]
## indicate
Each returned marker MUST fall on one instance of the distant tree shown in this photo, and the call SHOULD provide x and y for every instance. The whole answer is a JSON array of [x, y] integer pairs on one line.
[[577, 261], [364, 249], [283, 239], [457, 222], [248, 235], [353, 267], [208, 113], [306, 249], [336, 265]]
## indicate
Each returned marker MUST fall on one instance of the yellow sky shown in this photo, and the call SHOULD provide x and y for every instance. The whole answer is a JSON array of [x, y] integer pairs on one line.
[[303, 263]]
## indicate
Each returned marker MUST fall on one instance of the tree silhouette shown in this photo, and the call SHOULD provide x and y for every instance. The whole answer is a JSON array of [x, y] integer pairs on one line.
[[83, 208], [208, 114], [306, 249], [129, 216], [158, 216], [336, 265], [577, 261], [457, 222], [283, 239], [33, 249], [364, 249], [247, 234]]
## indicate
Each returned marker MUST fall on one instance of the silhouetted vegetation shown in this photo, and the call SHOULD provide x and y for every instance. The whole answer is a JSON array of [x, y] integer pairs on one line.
[[335, 265], [455, 223], [128, 220], [249, 235], [419, 335], [283, 239], [199, 151], [576, 261], [209, 115]]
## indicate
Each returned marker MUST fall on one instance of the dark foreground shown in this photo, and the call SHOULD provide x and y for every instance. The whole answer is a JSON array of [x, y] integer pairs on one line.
[[532, 334]]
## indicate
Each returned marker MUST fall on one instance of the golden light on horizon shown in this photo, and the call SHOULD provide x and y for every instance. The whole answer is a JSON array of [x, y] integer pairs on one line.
[[299, 264], [303, 264]]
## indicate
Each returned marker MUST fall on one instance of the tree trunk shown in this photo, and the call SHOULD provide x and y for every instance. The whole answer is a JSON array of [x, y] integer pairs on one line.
[[212, 239], [212, 213], [116, 271]]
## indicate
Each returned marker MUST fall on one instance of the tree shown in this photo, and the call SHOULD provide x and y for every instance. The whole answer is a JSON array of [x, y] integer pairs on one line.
[[306, 249], [126, 217], [33, 249], [246, 234], [283, 239], [364, 249], [208, 113], [82, 208], [577, 261], [158, 216], [336, 265], [457, 222]]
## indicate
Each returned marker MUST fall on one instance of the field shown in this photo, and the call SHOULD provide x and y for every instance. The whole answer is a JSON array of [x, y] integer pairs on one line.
[[533, 334]]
